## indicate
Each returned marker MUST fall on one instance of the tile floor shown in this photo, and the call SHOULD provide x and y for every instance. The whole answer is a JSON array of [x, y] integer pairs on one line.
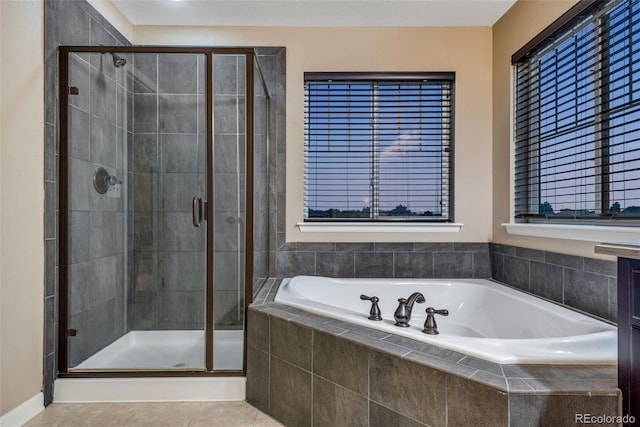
[[156, 414]]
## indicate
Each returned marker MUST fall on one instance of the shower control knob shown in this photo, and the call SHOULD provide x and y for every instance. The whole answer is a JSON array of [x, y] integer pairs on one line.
[[112, 180], [374, 313]]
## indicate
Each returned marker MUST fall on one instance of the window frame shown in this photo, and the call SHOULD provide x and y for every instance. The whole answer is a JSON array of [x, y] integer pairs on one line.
[[387, 223], [581, 15]]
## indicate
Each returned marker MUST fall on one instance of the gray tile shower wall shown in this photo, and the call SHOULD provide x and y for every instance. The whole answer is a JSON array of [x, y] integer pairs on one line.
[[264, 139], [581, 283], [405, 260], [96, 221], [167, 274], [273, 65], [75, 22]]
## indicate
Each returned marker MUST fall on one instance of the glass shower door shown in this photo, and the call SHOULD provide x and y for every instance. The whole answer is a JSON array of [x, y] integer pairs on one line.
[[229, 210], [136, 263]]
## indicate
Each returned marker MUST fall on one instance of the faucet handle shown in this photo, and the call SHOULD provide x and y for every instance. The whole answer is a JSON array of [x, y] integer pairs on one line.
[[443, 312], [430, 325], [374, 313]]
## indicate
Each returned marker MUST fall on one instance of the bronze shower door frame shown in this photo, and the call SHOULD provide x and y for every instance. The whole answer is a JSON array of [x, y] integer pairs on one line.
[[63, 200]]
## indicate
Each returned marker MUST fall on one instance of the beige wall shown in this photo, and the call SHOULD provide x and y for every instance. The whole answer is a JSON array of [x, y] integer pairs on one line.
[[519, 25], [21, 201], [467, 51]]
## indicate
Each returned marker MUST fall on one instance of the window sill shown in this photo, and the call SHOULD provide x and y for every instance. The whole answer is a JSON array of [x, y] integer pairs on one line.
[[374, 227], [591, 233]]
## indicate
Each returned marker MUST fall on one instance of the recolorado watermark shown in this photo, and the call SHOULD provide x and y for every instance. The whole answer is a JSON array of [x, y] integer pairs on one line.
[[604, 419]]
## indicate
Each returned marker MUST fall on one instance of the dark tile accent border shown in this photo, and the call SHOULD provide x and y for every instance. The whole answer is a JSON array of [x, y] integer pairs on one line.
[[359, 366]]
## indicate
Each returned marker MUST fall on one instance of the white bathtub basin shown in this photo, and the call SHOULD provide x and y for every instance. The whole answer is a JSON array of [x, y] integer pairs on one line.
[[486, 320]]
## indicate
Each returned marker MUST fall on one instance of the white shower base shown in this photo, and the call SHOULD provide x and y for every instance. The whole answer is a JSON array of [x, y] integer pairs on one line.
[[173, 350], [175, 389]]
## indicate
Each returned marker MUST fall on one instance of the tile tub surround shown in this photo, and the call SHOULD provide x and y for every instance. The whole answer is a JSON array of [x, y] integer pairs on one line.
[[408, 260], [305, 369], [580, 283], [585, 284]]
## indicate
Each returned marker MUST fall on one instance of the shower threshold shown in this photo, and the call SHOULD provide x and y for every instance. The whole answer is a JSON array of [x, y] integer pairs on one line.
[[167, 350]]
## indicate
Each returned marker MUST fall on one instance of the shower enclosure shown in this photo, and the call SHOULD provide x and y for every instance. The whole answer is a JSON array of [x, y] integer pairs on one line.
[[161, 224]]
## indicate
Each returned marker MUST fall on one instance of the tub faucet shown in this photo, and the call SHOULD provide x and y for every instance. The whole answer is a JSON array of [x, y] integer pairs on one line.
[[402, 314]]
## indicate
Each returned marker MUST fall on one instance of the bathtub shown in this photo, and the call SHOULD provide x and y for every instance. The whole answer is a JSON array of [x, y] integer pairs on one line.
[[486, 320]]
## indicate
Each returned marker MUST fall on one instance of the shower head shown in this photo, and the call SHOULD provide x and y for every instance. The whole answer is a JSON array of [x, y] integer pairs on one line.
[[118, 61]]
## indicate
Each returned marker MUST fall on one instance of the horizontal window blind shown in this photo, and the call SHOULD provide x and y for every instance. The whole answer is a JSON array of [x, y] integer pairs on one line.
[[577, 120], [378, 149]]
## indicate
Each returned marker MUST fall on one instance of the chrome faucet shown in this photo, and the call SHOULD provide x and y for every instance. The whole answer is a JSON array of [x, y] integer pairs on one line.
[[402, 314]]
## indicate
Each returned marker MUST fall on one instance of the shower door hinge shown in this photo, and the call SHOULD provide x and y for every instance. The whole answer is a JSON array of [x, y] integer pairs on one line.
[[72, 332], [73, 90]]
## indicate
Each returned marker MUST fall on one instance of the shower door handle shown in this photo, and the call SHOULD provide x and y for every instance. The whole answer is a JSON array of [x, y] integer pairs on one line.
[[196, 211]]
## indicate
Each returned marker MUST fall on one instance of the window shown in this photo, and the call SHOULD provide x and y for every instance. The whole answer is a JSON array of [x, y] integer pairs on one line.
[[378, 148], [577, 120]]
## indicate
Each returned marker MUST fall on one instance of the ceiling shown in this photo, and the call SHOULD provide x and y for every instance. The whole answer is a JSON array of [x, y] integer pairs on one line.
[[314, 13]]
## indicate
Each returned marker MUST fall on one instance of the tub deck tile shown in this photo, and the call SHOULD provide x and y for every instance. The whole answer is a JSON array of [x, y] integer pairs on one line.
[[360, 330], [319, 325], [483, 365], [441, 364], [492, 380], [568, 386], [276, 308], [517, 385], [268, 306], [260, 291], [530, 371], [276, 312], [427, 349], [606, 372], [374, 344], [311, 316], [274, 285]]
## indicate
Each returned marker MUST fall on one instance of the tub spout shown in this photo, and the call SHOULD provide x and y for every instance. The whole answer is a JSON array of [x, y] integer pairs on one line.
[[402, 314]]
